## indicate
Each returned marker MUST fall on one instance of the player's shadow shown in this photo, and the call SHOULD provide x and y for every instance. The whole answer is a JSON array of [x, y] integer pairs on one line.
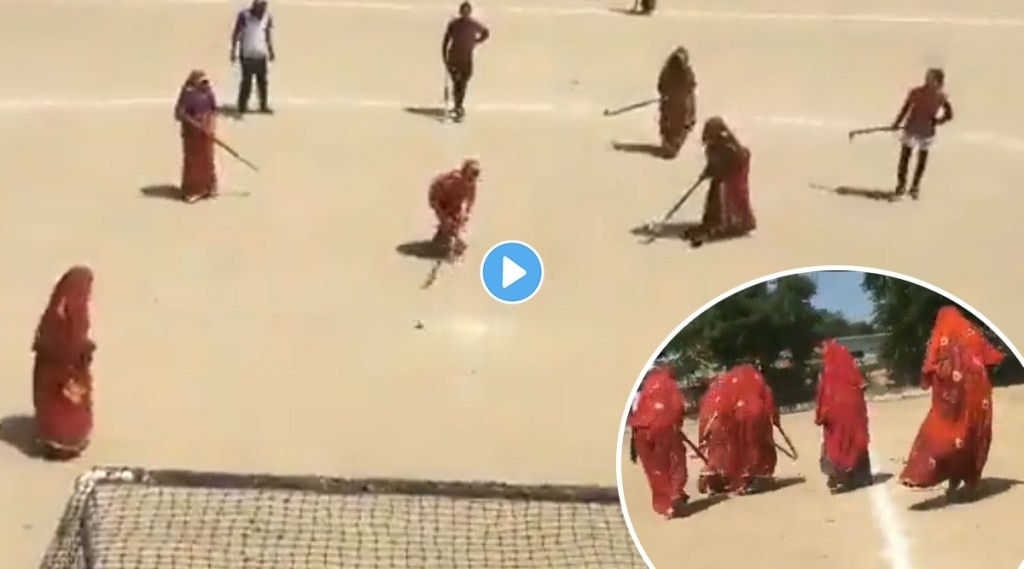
[[676, 230], [161, 191], [695, 507], [874, 194], [173, 193], [426, 250], [19, 431], [629, 12], [653, 150], [782, 483], [876, 479], [229, 112], [987, 488], [685, 231], [438, 114]]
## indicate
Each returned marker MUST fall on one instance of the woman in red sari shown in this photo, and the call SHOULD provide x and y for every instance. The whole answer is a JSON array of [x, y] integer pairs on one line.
[[842, 414], [677, 88], [756, 415], [196, 110], [727, 209], [737, 416], [953, 442], [61, 381], [657, 423], [722, 472]]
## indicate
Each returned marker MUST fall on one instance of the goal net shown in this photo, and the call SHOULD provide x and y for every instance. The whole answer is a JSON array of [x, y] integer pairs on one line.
[[131, 518]]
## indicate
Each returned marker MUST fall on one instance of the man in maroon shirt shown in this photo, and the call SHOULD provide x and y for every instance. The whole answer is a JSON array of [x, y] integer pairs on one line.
[[460, 39], [918, 119]]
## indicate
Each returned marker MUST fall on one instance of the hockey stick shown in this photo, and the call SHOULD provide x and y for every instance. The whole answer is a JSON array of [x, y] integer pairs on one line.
[[870, 130], [671, 212], [629, 107]]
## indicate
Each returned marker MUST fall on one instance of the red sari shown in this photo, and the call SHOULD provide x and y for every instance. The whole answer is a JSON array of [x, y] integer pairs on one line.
[[196, 110], [657, 424], [452, 196], [723, 471], [727, 209], [737, 416], [756, 415], [842, 414], [678, 106], [61, 381], [953, 442]]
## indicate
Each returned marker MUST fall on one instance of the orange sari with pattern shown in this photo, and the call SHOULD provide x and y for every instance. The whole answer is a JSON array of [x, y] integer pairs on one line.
[[954, 439]]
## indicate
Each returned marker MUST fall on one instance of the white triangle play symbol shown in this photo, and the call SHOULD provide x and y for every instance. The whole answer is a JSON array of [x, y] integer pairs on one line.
[[510, 272]]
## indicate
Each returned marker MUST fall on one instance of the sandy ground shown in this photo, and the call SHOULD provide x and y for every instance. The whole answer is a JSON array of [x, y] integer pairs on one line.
[[271, 330]]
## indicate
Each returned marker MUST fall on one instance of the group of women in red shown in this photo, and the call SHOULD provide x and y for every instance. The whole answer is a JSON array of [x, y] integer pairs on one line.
[[737, 417]]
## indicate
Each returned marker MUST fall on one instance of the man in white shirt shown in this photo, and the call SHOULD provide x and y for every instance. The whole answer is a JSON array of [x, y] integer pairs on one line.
[[251, 44]]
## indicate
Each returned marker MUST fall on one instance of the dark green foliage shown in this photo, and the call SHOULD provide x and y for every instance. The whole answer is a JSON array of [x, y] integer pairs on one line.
[[906, 312], [763, 324], [774, 326]]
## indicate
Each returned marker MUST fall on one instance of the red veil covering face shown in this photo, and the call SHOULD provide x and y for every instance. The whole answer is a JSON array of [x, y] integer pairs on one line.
[[722, 473], [842, 414], [737, 415], [756, 414], [61, 382], [657, 422], [954, 440]]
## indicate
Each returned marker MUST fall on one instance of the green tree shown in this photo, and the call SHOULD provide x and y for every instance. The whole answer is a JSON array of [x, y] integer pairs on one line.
[[906, 313], [835, 325], [760, 324]]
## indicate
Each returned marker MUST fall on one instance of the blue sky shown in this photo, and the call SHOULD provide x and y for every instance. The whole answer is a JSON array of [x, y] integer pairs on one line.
[[840, 292]]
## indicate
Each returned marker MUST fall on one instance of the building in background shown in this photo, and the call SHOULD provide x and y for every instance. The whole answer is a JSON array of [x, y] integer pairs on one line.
[[867, 348]]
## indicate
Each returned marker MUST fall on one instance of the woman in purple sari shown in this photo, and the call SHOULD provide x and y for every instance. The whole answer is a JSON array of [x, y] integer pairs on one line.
[[196, 110]]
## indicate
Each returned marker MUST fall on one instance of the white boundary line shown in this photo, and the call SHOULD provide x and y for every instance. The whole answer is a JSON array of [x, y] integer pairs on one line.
[[569, 110], [889, 522], [887, 518], [542, 10]]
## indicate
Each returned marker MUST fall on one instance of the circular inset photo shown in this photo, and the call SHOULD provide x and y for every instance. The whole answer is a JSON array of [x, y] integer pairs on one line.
[[838, 417]]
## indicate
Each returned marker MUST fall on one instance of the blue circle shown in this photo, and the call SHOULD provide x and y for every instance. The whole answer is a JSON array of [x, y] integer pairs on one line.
[[521, 263]]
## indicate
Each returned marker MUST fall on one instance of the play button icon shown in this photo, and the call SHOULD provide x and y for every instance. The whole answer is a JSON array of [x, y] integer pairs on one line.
[[512, 272]]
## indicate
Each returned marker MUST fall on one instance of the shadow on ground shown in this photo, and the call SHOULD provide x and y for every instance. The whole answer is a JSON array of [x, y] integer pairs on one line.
[[874, 194], [644, 148], [683, 230], [876, 479], [695, 507], [676, 230], [628, 12], [19, 431], [438, 114], [426, 250], [782, 483], [988, 488], [161, 191], [229, 111]]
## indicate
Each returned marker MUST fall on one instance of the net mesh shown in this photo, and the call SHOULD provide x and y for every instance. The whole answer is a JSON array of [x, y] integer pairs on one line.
[[127, 518]]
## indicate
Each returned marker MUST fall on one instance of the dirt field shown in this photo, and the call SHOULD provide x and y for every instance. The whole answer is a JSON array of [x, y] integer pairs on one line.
[[272, 330]]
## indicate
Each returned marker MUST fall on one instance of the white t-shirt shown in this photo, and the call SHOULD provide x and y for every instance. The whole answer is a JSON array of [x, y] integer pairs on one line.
[[252, 32]]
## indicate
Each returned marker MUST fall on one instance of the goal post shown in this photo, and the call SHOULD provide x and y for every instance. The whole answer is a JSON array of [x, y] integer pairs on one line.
[[134, 518]]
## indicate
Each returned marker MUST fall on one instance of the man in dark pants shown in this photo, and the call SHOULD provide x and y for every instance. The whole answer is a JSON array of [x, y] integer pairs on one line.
[[251, 43], [925, 108], [461, 37]]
